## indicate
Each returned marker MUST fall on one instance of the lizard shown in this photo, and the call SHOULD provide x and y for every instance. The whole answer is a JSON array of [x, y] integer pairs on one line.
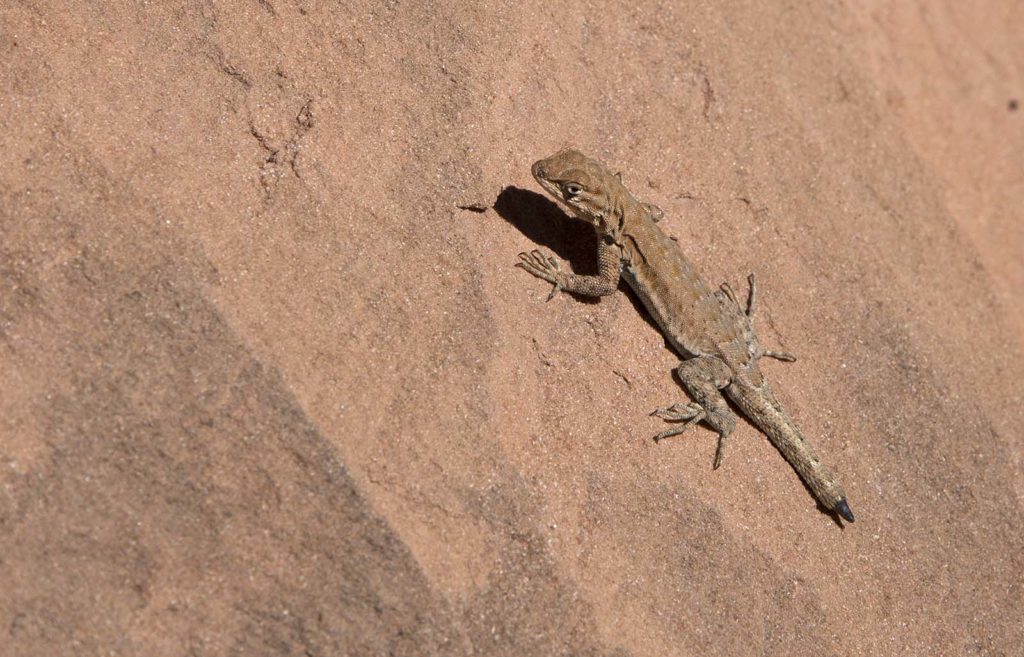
[[708, 328]]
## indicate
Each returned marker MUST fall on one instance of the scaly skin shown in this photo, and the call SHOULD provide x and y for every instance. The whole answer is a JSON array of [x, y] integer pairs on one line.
[[709, 328]]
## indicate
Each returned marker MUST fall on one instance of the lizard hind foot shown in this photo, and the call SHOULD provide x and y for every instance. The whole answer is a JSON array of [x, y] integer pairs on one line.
[[690, 413], [784, 356], [678, 412]]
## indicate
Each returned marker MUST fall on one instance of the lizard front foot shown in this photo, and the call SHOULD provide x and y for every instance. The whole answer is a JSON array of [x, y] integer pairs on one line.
[[542, 266]]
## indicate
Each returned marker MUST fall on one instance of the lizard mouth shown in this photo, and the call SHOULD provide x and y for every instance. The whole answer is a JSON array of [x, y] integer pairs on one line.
[[550, 187]]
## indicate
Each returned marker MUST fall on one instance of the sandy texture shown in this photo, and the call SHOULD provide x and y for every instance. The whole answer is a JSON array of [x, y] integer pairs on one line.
[[266, 390]]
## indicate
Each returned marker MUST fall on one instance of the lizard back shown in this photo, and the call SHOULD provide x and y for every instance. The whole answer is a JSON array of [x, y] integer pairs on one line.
[[693, 318]]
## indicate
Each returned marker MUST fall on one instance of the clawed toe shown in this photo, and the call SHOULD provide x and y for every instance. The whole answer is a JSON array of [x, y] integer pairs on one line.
[[719, 452], [541, 266], [678, 412], [533, 262], [780, 355], [675, 431], [690, 413]]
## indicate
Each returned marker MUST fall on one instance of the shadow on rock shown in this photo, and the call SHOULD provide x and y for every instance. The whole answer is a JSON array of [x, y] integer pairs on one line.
[[548, 226]]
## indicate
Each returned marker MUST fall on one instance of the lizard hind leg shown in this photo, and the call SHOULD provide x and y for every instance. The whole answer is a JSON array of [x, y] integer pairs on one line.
[[703, 377], [751, 308]]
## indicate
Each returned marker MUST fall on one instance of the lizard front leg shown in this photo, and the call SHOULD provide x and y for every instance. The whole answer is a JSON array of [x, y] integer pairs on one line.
[[703, 377], [548, 268]]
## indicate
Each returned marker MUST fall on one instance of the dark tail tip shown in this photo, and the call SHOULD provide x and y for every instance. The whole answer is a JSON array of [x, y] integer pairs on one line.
[[844, 510]]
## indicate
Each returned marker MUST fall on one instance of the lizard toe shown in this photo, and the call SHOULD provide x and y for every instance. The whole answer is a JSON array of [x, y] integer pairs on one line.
[[678, 412]]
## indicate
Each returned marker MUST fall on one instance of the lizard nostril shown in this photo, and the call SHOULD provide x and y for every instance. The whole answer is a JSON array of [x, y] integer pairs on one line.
[[538, 169]]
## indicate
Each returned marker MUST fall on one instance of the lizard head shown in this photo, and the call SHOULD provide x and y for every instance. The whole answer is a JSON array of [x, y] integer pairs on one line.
[[583, 185]]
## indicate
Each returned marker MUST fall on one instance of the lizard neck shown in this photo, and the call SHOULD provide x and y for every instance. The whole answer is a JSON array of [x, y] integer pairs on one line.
[[630, 229], [623, 212]]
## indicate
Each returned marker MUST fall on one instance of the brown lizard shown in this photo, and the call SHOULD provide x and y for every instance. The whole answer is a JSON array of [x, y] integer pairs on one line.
[[709, 328]]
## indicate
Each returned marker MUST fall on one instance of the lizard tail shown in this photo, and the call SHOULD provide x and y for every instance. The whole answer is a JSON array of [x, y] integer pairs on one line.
[[758, 403]]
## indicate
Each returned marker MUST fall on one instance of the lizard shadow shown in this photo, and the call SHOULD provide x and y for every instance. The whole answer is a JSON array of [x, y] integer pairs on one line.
[[544, 222]]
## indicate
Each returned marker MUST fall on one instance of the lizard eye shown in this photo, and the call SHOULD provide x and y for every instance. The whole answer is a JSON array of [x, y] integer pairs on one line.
[[572, 189]]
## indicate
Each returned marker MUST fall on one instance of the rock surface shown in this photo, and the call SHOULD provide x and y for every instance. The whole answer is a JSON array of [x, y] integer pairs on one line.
[[265, 389]]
